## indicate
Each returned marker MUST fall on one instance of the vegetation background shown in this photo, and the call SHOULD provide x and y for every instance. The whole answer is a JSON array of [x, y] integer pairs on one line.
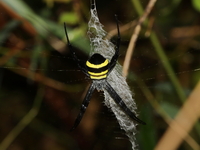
[[41, 87]]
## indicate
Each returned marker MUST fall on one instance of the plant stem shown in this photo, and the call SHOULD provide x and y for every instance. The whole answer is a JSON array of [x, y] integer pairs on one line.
[[24, 121], [161, 54]]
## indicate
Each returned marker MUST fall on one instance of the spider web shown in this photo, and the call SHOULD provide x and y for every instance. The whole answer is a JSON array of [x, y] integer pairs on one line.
[[115, 78]]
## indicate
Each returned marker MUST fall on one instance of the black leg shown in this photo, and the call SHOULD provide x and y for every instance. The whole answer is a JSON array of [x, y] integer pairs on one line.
[[84, 106], [119, 101], [80, 65], [116, 55]]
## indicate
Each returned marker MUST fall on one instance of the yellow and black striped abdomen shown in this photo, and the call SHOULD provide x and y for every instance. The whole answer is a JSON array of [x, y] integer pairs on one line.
[[97, 67]]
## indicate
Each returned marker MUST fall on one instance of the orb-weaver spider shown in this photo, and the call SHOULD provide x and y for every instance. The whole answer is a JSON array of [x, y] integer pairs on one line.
[[97, 68]]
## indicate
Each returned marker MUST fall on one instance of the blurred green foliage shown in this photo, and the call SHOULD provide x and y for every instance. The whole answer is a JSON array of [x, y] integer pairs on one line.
[[196, 4], [36, 65]]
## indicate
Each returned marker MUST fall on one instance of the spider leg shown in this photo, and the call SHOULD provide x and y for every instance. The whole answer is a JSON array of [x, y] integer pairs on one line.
[[80, 65], [116, 55], [120, 102], [84, 106]]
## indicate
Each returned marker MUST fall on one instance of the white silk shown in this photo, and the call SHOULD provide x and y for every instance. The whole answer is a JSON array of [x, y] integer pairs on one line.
[[115, 78]]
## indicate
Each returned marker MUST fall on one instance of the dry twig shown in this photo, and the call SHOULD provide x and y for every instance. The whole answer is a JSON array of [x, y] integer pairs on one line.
[[135, 36], [182, 124]]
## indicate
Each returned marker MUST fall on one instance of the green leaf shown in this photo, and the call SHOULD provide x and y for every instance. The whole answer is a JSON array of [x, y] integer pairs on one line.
[[44, 26], [196, 4], [69, 17], [171, 109], [147, 131]]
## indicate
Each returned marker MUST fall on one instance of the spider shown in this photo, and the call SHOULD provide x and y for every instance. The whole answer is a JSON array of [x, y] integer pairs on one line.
[[97, 68]]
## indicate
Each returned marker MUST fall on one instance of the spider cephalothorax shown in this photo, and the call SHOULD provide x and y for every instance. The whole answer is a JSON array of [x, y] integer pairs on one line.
[[97, 68]]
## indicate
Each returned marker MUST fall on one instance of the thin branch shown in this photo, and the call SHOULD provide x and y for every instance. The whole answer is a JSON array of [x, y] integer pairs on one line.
[[122, 29], [161, 54], [40, 78], [135, 36]]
